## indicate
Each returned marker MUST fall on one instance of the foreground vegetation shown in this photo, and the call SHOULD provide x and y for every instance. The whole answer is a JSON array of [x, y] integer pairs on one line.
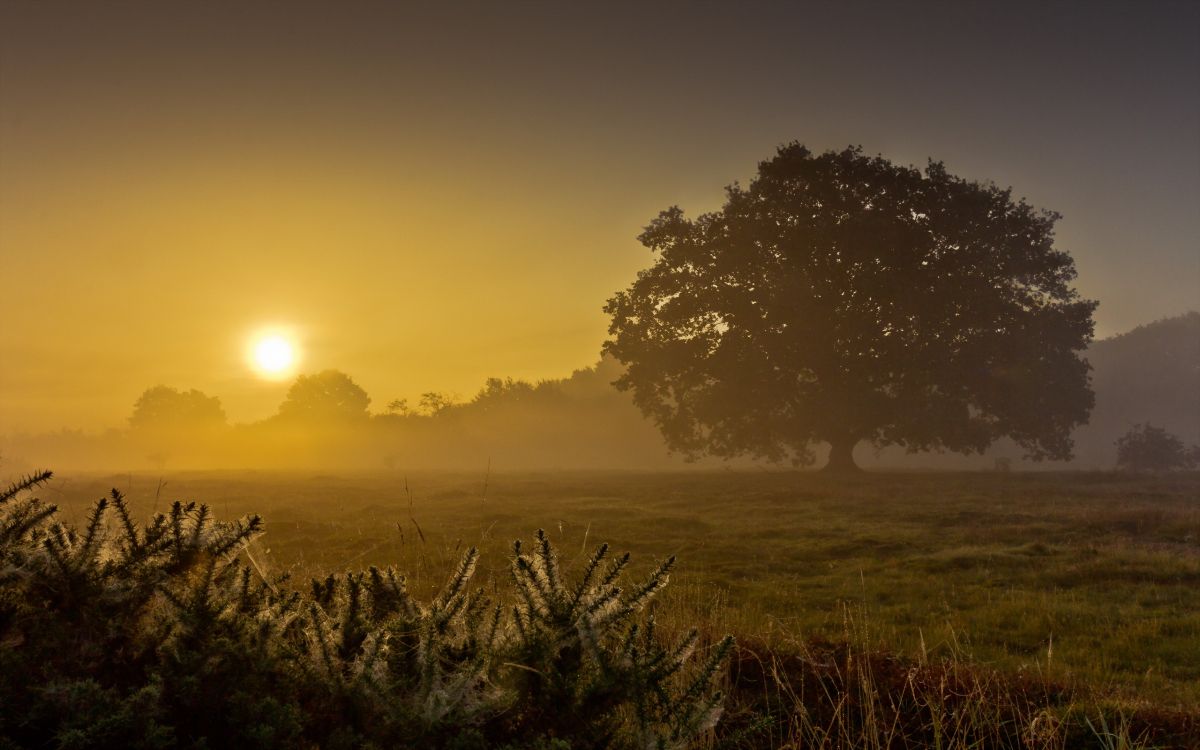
[[120, 636], [885, 611]]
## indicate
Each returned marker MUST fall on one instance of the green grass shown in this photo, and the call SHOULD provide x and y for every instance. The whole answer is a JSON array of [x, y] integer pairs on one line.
[[1084, 579]]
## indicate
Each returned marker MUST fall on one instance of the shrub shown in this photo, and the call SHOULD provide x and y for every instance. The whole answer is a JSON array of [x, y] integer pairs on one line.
[[1148, 448], [155, 636]]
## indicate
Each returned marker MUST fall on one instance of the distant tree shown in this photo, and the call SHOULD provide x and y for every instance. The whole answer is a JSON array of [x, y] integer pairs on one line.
[[434, 403], [398, 406], [507, 389], [326, 396], [1149, 448], [842, 298], [164, 408]]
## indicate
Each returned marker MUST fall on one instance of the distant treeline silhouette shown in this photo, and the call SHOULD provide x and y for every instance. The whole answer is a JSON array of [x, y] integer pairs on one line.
[[325, 420], [1148, 375]]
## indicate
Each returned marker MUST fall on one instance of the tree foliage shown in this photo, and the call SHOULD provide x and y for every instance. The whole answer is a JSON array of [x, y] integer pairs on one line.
[[843, 298], [434, 403], [327, 396], [1148, 448], [162, 407]]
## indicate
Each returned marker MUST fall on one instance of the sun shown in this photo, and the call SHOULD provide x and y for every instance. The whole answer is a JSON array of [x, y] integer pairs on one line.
[[273, 355]]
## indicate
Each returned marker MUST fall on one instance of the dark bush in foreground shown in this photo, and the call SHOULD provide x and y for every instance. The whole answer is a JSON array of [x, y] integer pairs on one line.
[[159, 636]]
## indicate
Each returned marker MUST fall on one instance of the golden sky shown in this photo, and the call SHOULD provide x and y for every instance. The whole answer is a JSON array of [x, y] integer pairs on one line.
[[429, 197]]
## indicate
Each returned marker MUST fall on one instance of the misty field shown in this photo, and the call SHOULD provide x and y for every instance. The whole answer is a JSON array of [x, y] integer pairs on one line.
[[1083, 579]]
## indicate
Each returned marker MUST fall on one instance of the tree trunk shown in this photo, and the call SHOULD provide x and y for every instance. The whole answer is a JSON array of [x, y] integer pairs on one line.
[[841, 456]]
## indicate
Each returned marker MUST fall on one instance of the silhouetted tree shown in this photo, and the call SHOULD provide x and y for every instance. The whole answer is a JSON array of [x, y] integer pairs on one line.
[[326, 396], [843, 298], [434, 403], [507, 390], [164, 408], [1149, 448]]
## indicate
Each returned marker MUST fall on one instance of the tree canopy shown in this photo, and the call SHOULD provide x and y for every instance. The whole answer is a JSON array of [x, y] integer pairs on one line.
[[329, 395], [843, 298], [162, 407], [1148, 448]]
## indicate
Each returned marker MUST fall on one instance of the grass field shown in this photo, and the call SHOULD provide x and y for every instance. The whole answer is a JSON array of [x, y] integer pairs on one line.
[[1080, 578]]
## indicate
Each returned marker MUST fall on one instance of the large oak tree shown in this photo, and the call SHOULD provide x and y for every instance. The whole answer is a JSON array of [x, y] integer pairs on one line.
[[843, 298]]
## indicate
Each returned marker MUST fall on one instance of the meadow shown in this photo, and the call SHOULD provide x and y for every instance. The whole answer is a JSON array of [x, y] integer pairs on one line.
[[1089, 582]]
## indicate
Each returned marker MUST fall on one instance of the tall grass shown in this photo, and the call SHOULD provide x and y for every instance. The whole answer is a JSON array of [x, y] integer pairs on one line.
[[849, 693]]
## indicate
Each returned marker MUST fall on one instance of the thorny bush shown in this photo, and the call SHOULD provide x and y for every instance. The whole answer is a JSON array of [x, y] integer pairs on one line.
[[161, 636]]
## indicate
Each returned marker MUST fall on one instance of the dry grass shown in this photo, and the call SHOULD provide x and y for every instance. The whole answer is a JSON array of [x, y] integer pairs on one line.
[[846, 694]]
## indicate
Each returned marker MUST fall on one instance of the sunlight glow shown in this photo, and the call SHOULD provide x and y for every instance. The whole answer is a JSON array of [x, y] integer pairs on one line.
[[273, 355]]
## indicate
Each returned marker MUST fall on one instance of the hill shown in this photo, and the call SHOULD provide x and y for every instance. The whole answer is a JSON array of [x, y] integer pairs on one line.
[[1150, 374]]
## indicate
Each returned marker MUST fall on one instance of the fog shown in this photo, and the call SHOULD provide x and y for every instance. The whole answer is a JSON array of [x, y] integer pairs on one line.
[[1150, 374]]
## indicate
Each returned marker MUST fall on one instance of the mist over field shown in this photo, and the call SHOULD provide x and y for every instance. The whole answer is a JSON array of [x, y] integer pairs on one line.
[[600, 376], [1150, 374]]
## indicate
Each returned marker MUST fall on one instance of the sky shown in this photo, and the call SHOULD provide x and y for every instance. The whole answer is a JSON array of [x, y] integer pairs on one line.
[[426, 195]]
